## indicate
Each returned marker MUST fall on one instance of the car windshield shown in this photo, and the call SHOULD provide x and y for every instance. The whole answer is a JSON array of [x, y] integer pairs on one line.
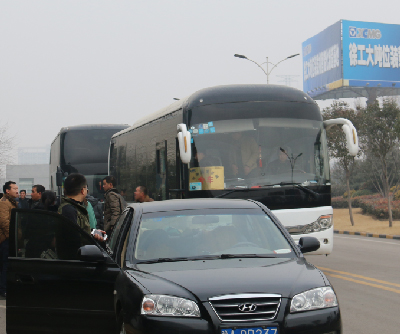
[[214, 232]]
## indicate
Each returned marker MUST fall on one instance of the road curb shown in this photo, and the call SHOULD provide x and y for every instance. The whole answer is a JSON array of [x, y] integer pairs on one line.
[[370, 235]]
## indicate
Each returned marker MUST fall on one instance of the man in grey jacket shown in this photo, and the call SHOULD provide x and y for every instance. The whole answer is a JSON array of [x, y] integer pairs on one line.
[[114, 204]]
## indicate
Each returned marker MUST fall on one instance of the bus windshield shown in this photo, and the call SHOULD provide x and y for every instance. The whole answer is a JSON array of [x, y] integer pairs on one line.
[[86, 152], [83, 146], [258, 152]]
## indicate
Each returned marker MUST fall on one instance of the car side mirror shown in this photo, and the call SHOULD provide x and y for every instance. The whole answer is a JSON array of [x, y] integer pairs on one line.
[[308, 244], [91, 253]]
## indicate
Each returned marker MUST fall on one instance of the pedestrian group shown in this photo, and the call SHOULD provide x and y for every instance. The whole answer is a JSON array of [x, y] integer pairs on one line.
[[90, 214]]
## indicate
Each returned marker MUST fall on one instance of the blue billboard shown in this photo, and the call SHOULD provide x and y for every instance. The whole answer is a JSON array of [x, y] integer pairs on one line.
[[322, 63], [371, 54]]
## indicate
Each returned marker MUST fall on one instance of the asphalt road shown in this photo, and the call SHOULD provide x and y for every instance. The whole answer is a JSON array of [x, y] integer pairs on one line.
[[365, 273]]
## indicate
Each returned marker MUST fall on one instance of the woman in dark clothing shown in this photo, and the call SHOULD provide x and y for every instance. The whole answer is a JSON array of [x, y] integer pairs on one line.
[[48, 201]]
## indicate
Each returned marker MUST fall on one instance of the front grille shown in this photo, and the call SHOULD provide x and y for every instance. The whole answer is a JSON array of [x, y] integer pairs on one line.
[[246, 307]]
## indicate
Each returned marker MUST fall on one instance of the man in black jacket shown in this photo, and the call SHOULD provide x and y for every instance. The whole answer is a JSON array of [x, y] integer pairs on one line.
[[72, 206], [23, 202], [37, 191]]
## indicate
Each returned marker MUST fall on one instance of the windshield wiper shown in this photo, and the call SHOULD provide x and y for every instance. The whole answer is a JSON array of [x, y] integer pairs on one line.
[[235, 256], [232, 191], [297, 185], [178, 259], [307, 190], [203, 257]]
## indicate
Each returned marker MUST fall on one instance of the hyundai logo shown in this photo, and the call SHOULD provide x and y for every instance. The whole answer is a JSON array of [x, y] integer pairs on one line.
[[247, 307]]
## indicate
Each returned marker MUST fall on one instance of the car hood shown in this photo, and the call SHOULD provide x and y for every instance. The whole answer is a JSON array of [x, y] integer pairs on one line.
[[210, 278]]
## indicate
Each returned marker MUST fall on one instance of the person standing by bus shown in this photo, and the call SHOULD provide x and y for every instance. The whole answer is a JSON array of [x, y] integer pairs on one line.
[[72, 204], [37, 191], [23, 202], [141, 195], [72, 207], [114, 203], [97, 206], [7, 203]]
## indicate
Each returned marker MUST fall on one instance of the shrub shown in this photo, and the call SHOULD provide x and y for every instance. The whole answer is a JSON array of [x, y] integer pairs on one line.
[[342, 203], [377, 206], [339, 203], [362, 192], [374, 205]]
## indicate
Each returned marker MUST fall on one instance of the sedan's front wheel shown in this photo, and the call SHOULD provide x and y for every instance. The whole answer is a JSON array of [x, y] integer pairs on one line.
[[123, 331], [120, 323]]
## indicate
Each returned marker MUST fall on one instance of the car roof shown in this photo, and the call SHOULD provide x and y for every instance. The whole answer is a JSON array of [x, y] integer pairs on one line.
[[195, 204]]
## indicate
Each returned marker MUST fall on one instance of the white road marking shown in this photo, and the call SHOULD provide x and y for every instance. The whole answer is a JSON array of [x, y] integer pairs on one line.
[[369, 239]]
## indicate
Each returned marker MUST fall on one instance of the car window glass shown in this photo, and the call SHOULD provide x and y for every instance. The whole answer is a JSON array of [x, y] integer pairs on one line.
[[193, 233], [117, 228], [48, 236], [123, 252]]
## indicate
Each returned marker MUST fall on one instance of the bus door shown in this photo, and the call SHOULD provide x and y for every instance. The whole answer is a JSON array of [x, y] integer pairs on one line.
[[161, 171]]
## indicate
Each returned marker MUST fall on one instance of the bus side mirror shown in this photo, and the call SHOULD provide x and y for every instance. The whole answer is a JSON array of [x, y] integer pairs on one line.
[[59, 177], [350, 132], [184, 140], [352, 139]]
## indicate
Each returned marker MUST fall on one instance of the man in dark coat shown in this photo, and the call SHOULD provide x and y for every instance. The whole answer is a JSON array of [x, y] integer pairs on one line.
[[23, 202], [114, 203], [72, 206], [36, 195]]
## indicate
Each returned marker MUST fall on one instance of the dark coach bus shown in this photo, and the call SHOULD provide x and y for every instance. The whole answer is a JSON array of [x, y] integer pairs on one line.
[[83, 149], [263, 142]]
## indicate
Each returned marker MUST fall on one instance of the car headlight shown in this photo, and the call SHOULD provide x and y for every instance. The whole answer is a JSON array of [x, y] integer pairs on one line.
[[321, 224], [170, 306], [313, 299]]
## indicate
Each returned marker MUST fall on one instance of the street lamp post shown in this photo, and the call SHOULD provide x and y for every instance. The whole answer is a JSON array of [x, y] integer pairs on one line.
[[268, 72]]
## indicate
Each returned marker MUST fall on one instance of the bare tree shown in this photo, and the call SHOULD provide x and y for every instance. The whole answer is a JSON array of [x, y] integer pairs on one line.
[[380, 134], [337, 142], [372, 169], [6, 147]]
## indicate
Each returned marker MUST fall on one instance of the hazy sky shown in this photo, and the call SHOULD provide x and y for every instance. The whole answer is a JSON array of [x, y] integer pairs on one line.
[[76, 62]]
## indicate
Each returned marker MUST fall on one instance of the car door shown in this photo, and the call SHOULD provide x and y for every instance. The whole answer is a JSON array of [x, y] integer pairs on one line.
[[50, 287]]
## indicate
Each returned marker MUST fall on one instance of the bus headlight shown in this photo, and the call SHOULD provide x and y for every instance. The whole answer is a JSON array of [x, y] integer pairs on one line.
[[321, 224]]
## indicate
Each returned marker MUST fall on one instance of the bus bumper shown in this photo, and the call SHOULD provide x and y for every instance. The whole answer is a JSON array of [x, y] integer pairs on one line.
[[300, 217], [325, 239]]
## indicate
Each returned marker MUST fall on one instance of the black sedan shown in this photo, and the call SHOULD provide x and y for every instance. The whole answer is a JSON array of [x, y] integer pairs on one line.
[[180, 266]]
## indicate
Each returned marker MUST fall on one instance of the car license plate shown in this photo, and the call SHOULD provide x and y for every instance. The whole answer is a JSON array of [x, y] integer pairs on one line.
[[254, 330]]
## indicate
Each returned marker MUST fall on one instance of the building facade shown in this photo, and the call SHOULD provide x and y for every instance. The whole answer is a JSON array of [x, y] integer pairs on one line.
[[28, 175]]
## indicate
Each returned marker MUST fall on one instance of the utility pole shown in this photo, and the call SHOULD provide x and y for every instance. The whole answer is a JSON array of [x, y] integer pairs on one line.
[[287, 79]]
